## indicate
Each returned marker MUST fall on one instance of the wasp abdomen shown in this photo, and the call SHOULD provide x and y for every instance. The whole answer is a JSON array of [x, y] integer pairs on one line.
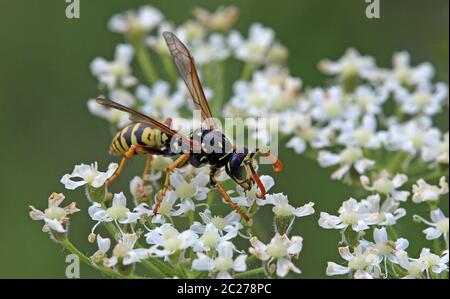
[[138, 134]]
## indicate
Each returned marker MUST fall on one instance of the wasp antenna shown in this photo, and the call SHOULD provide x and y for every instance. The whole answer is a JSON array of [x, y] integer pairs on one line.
[[102, 101], [277, 165]]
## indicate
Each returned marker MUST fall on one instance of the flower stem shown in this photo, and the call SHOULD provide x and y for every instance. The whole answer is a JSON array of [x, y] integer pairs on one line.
[[137, 39], [169, 68], [247, 71], [109, 272], [392, 233], [146, 64], [250, 273], [156, 266], [396, 162], [219, 87]]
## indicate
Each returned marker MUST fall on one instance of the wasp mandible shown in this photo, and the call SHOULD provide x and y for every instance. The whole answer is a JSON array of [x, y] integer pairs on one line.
[[151, 137]]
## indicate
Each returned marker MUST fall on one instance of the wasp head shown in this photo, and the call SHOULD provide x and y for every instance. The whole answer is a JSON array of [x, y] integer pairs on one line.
[[241, 168]]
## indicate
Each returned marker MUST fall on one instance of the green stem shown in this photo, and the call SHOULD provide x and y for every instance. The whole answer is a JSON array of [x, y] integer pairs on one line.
[[154, 265], [170, 69], [247, 71], [180, 271], [157, 267], [111, 230], [146, 64], [251, 259], [250, 273], [109, 272], [219, 87], [137, 39], [210, 199], [392, 232], [396, 162]]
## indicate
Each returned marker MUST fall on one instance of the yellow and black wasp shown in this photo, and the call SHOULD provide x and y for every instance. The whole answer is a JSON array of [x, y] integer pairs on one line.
[[151, 137]]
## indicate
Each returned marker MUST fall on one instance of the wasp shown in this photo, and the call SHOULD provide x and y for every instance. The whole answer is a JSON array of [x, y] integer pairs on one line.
[[152, 137]]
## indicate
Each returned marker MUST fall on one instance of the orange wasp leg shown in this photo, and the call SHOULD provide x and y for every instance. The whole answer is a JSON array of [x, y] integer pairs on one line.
[[134, 149], [227, 198], [148, 164], [178, 162], [277, 165]]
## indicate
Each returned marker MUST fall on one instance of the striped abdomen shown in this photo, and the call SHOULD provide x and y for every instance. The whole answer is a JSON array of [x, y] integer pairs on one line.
[[138, 134]]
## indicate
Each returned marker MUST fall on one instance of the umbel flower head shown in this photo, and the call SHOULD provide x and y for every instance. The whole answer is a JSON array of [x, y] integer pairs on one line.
[[223, 263], [88, 175], [55, 217], [131, 21], [280, 249], [422, 191], [363, 263], [346, 125]]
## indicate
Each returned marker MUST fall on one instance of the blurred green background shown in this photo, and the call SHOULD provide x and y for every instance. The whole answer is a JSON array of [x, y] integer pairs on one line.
[[45, 127]]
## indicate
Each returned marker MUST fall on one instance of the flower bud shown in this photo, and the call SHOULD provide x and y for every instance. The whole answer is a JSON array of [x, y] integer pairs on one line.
[[277, 53], [92, 237]]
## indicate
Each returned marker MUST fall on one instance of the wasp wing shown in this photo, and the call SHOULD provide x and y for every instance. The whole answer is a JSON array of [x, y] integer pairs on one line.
[[186, 68], [143, 118]]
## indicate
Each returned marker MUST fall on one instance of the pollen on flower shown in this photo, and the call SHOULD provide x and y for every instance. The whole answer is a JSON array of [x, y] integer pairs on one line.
[[284, 209], [219, 222], [351, 154], [443, 225], [210, 238], [383, 185], [276, 250], [186, 190], [117, 212]]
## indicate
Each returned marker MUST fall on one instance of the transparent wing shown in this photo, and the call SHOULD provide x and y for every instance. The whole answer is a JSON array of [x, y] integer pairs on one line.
[[186, 67], [137, 116]]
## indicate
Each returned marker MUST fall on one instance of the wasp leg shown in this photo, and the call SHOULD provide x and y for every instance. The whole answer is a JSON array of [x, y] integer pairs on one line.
[[128, 155], [230, 202], [178, 162], [147, 168]]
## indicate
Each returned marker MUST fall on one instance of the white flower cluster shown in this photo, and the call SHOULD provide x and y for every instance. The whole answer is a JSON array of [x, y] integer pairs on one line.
[[206, 245], [348, 123], [191, 236], [373, 125], [387, 256]]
